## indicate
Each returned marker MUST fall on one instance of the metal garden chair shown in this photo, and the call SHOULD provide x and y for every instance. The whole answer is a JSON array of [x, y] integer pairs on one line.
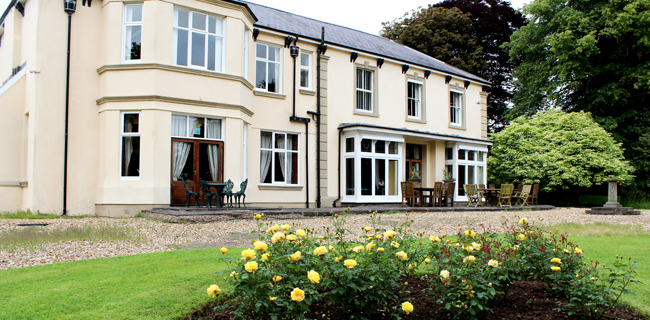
[[237, 195]]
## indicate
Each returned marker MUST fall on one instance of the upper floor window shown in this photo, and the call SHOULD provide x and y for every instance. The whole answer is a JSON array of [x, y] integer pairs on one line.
[[414, 99], [305, 70], [267, 68], [364, 89], [132, 32], [198, 40], [130, 158], [455, 109]]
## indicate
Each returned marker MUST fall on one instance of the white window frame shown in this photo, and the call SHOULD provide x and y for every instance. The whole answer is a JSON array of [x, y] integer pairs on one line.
[[125, 25], [456, 111], [363, 90], [417, 100], [307, 68], [268, 63], [275, 150], [357, 154], [205, 119], [456, 162], [128, 134], [190, 30]]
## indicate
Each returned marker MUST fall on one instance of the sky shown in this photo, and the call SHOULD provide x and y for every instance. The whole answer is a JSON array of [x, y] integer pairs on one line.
[[364, 15]]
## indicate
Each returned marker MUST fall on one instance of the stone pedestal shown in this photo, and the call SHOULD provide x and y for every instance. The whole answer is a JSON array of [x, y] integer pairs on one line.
[[612, 194]]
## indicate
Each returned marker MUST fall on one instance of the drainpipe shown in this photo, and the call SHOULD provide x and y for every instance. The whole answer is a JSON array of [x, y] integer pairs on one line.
[[70, 7], [294, 51], [321, 50], [339, 169]]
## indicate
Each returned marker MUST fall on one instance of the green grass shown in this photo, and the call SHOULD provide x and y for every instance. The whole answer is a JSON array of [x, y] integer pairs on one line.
[[162, 285], [637, 204], [27, 215], [33, 236]]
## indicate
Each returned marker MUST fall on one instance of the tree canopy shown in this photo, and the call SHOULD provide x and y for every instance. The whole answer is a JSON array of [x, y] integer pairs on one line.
[[590, 55], [557, 150], [450, 37]]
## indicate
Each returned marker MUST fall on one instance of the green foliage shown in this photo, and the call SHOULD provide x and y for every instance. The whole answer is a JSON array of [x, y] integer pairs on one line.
[[556, 150], [589, 56], [27, 215], [444, 34]]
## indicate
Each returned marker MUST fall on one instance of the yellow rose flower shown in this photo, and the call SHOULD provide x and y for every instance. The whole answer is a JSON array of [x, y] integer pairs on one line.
[[265, 256], [332, 248], [554, 268], [370, 246], [357, 249], [390, 234], [394, 244], [444, 274], [296, 256], [313, 276], [407, 307], [448, 241], [378, 236], [258, 216], [250, 266], [297, 295], [248, 254], [273, 298], [469, 258], [339, 259], [224, 250], [367, 229], [277, 278], [493, 263], [578, 251], [566, 251], [278, 236], [214, 290], [468, 248], [402, 255], [275, 228], [291, 237], [285, 227], [522, 236], [476, 246], [470, 234], [350, 263], [301, 233], [516, 247], [380, 249], [412, 265], [523, 221], [234, 274], [434, 239], [556, 260], [260, 246], [427, 260], [320, 251]]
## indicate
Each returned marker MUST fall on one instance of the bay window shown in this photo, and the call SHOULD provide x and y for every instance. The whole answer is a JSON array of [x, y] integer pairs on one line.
[[198, 40], [130, 155], [372, 169], [132, 36]]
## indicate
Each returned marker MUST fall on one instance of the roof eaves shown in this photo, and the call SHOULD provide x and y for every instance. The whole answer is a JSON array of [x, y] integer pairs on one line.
[[244, 4], [4, 15]]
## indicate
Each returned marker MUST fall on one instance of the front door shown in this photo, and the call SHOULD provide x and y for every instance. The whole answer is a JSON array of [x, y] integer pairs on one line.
[[193, 160]]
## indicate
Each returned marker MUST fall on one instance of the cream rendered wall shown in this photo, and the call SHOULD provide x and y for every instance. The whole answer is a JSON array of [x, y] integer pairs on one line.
[[12, 130], [7, 47]]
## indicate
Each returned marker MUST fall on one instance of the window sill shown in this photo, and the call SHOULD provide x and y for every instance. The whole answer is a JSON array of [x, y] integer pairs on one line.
[[307, 92], [269, 94], [366, 113], [458, 127], [410, 119], [279, 187]]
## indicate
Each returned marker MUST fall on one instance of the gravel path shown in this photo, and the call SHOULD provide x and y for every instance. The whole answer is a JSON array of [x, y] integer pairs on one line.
[[154, 236]]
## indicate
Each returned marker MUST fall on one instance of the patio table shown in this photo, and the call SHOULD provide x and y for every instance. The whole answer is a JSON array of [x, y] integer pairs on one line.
[[219, 187], [422, 190], [492, 193]]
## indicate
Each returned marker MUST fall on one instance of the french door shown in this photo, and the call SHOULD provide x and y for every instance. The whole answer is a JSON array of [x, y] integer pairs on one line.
[[193, 160]]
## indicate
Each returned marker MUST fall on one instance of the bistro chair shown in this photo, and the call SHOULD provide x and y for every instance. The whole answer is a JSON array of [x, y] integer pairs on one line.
[[189, 194], [205, 189], [408, 193], [522, 197], [237, 195], [534, 195], [227, 193], [437, 194], [492, 186], [448, 190], [472, 195], [505, 195]]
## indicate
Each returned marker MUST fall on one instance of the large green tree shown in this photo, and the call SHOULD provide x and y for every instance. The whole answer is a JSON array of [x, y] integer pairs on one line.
[[591, 55], [491, 23], [558, 150]]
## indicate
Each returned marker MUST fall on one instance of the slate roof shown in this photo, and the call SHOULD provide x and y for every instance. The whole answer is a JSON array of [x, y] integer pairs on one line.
[[282, 21]]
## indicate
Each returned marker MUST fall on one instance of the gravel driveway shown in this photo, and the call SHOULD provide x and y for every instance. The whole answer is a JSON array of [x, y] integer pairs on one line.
[[159, 236]]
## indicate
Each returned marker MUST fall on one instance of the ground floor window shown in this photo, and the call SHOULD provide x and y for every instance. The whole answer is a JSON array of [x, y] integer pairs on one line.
[[372, 169], [278, 158], [413, 161], [467, 166], [130, 159]]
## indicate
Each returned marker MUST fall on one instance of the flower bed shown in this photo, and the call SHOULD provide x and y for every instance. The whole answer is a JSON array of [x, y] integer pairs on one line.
[[289, 273]]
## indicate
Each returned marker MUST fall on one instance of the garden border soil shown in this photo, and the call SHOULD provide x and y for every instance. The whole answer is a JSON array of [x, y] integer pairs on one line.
[[526, 300]]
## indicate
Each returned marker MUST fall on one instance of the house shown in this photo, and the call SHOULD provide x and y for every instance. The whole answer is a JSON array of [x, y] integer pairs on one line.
[[165, 91]]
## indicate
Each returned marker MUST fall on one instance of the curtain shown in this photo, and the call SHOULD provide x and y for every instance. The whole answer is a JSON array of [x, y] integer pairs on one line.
[[179, 125], [289, 156], [193, 122], [282, 156], [214, 129], [265, 161], [128, 151], [213, 157], [181, 152]]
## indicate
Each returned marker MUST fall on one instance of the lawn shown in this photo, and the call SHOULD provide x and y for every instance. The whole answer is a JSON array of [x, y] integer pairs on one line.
[[170, 284]]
